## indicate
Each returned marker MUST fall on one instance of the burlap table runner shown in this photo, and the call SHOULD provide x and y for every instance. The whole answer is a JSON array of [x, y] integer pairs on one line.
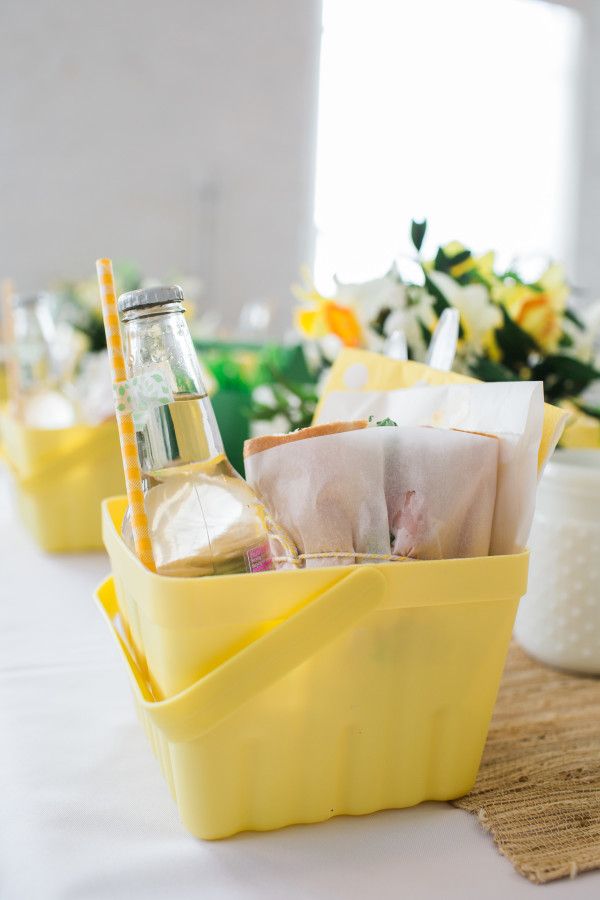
[[538, 790]]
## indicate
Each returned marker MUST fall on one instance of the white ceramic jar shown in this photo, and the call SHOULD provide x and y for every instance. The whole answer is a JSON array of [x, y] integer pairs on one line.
[[559, 618]]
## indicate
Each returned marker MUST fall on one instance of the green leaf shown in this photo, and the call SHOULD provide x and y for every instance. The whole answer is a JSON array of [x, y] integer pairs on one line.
[[387, 422], [440, 303], [568, 367], [378, 323], [516, 344], [511, 275], [566, 340], [94, 329], [262, 413], [574, 318], [442, 262], [459, 258], [563, 376], [417, 233], [472, 276], [488, 370]]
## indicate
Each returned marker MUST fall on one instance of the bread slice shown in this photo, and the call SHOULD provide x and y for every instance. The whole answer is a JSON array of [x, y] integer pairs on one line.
[[258, 444]]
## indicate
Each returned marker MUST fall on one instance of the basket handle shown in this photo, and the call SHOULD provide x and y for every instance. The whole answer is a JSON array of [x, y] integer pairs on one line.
[[201, 707], [57, 462]]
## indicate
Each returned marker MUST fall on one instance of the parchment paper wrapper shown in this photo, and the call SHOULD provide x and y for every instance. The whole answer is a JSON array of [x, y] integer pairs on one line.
[[513, 411], [421, 492], [362, 370]]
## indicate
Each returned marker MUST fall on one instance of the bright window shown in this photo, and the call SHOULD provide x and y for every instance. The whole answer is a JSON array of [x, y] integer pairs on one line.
[[459, 111]]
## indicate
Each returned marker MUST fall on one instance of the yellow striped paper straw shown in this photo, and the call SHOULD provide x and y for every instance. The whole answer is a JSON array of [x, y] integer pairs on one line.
[[131, 462]]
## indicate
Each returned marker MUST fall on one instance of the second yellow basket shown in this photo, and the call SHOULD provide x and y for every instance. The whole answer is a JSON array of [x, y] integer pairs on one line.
[[61, 476]]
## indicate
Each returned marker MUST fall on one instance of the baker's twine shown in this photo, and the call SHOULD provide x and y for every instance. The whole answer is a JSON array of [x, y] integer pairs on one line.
[[298, 558]]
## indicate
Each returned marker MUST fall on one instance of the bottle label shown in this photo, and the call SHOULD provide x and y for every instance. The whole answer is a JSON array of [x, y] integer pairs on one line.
[[140, 394], [259, 558]]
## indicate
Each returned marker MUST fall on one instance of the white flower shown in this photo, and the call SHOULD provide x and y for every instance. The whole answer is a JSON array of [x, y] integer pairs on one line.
[[410, 319], [409, 307], [331, 345], [264, 395], [373, 341], [370, 297], [478, 315]]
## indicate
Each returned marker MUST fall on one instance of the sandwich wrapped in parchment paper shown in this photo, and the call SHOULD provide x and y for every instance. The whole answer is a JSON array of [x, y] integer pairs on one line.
[[512, 411], [364, 493], [363, 383]]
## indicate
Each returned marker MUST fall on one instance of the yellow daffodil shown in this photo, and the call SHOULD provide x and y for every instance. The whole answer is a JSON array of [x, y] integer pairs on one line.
[[482, 265], [326, 316], [539, 311]]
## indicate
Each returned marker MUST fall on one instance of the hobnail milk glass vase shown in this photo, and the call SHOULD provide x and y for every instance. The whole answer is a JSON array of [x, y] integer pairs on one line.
[[559, 618]]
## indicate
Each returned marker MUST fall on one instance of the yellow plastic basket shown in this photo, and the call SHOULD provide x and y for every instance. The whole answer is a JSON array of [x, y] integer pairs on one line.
[[583, 433], [61, 476], [291, 697]]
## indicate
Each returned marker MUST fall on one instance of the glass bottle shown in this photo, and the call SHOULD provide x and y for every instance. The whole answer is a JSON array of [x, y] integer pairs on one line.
[[44, 404], [203, 518], [34, 336]]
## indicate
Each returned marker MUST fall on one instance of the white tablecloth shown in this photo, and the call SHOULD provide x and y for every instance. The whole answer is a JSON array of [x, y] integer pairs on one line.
[[86, 815]]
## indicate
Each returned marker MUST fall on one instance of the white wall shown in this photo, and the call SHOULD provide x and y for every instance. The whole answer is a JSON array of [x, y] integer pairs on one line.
[[584, 242], [179, 135], [587, 231]]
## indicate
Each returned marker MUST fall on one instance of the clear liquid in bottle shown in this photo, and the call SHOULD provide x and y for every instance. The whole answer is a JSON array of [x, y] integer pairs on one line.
[[203, 518]]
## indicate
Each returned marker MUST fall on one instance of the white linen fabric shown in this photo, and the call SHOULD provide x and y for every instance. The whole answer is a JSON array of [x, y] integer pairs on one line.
[[86, 815]]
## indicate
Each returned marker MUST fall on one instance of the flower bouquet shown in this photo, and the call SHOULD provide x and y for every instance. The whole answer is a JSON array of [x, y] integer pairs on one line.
[[510, 327]]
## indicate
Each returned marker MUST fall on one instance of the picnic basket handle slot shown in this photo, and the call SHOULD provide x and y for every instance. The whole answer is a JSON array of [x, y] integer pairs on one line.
[[200, 707]]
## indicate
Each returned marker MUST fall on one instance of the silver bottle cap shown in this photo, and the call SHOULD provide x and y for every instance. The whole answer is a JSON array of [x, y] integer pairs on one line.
[[150, 296]]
